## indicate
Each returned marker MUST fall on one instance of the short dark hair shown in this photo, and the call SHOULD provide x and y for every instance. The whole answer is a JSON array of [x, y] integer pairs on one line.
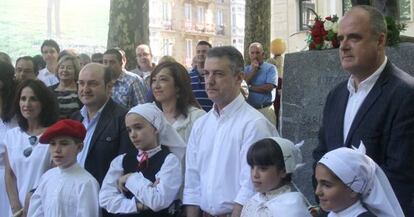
[[8, 90], [40, 63], [29, 58], [50, 107], [267, 152], [50, 43], [232, 54], [115, 52], [185, 96], [5, 57], [204, 43], [96, 56]]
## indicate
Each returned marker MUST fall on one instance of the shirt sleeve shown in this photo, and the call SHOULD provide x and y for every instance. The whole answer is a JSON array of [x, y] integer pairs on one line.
[[35, 207], [138, 92], [271, 75], [259, 129], [88, 200], [192, 190], [161, 195], [110, 198]]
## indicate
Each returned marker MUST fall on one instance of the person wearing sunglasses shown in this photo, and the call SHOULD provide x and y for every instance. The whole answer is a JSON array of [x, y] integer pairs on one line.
[[35, 108], [7, 91]]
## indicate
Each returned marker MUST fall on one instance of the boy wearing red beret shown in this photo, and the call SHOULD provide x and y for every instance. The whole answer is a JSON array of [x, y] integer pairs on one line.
[[68, 189]]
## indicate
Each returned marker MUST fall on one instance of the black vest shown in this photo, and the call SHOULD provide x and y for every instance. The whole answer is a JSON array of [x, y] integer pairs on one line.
[[130, 165]]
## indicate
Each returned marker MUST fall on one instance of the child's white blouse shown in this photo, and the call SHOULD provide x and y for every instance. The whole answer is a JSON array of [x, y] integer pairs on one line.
[[279, 202], [154, 196]]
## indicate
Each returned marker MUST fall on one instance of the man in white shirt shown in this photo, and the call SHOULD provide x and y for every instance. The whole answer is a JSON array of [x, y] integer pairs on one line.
[[217, 177], [50, 52]]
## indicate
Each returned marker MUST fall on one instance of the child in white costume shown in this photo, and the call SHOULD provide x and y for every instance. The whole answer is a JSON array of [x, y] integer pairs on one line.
[[350, 184], [66, 190], [272, 162], [148, 183]]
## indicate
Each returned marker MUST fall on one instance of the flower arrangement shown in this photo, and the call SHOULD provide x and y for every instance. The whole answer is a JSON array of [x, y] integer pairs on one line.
[[323, 33]]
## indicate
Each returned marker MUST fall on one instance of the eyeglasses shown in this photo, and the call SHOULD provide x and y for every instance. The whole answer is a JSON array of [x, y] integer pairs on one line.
[[33, 142]]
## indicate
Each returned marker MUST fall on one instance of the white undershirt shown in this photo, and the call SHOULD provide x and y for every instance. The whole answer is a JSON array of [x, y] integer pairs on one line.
[[358, 95]]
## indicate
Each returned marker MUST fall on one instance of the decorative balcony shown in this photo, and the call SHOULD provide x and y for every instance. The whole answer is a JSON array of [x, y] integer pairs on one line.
[[167, 24], [200, 27], [188, 26]]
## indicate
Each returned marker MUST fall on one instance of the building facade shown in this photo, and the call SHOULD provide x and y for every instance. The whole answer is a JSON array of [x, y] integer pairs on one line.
[[176, 26]]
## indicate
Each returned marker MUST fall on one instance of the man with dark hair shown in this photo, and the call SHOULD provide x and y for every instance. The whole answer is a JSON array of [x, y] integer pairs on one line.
[[196, 75], [375, 106], [219, 140], [128, 89], [50, 52], [25, 68], [106, 135]]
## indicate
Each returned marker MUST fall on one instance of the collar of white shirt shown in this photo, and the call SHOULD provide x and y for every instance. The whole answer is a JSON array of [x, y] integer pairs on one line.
[[230, 108], [150, 152], [367, 84], [353, 210]]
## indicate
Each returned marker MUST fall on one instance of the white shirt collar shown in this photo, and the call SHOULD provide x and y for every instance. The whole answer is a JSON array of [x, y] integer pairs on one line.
[[150, 152], [351, 211], [230, 108], [368, 83], [84, 112]]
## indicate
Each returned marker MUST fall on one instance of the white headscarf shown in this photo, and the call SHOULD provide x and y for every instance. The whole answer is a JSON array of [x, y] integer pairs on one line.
[[166, 133], [291, 153], [363, 175]]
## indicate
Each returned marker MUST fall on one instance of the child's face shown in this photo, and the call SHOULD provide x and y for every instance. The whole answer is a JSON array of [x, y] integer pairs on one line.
[[64, 151], [141, 133], [266, 178], [333, 194]]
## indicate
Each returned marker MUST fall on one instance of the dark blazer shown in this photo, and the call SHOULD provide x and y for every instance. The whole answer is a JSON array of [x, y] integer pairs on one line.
[[385, 124], [109, 140]]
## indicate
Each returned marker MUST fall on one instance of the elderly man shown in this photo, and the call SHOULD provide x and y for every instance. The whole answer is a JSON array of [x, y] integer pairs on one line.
[[144, 62], [261, 78], [217, 177], [375, 106], [25, 68], [128, 89]]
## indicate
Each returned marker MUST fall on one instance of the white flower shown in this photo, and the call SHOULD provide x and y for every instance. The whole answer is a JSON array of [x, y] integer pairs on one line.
[[328, 25], [335, 27]]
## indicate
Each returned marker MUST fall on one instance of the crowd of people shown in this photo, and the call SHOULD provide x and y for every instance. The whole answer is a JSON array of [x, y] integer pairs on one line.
[[83, 136]]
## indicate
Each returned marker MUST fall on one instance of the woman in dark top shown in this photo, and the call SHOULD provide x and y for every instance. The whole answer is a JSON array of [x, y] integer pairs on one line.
[[66, 90]]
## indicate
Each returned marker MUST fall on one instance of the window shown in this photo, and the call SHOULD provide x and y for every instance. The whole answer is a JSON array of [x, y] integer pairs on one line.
[[187, 12], [166, 47], [200, 15], [306, 13], [189, 49], [405, 10], [166, 12], [219, 20]]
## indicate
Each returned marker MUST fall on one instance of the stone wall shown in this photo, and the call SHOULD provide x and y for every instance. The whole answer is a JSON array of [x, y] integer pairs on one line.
[[308, 78]]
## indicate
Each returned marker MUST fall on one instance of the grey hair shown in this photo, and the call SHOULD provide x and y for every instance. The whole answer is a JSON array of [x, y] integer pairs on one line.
[[232, 54]]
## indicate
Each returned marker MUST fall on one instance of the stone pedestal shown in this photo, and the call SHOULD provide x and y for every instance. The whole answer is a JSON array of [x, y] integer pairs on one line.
[[308, 78]]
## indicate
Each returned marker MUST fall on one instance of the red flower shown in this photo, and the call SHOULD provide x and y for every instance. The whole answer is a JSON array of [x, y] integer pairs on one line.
[[328, 18], [317, 40]]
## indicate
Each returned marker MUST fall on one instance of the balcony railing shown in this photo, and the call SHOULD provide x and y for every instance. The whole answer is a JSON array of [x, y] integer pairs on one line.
[[220, 30]]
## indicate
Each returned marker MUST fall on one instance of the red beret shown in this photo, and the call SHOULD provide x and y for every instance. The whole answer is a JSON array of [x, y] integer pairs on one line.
[[65, 127]]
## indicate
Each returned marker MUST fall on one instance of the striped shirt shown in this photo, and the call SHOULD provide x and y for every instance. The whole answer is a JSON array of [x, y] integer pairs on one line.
[[199, 90]]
